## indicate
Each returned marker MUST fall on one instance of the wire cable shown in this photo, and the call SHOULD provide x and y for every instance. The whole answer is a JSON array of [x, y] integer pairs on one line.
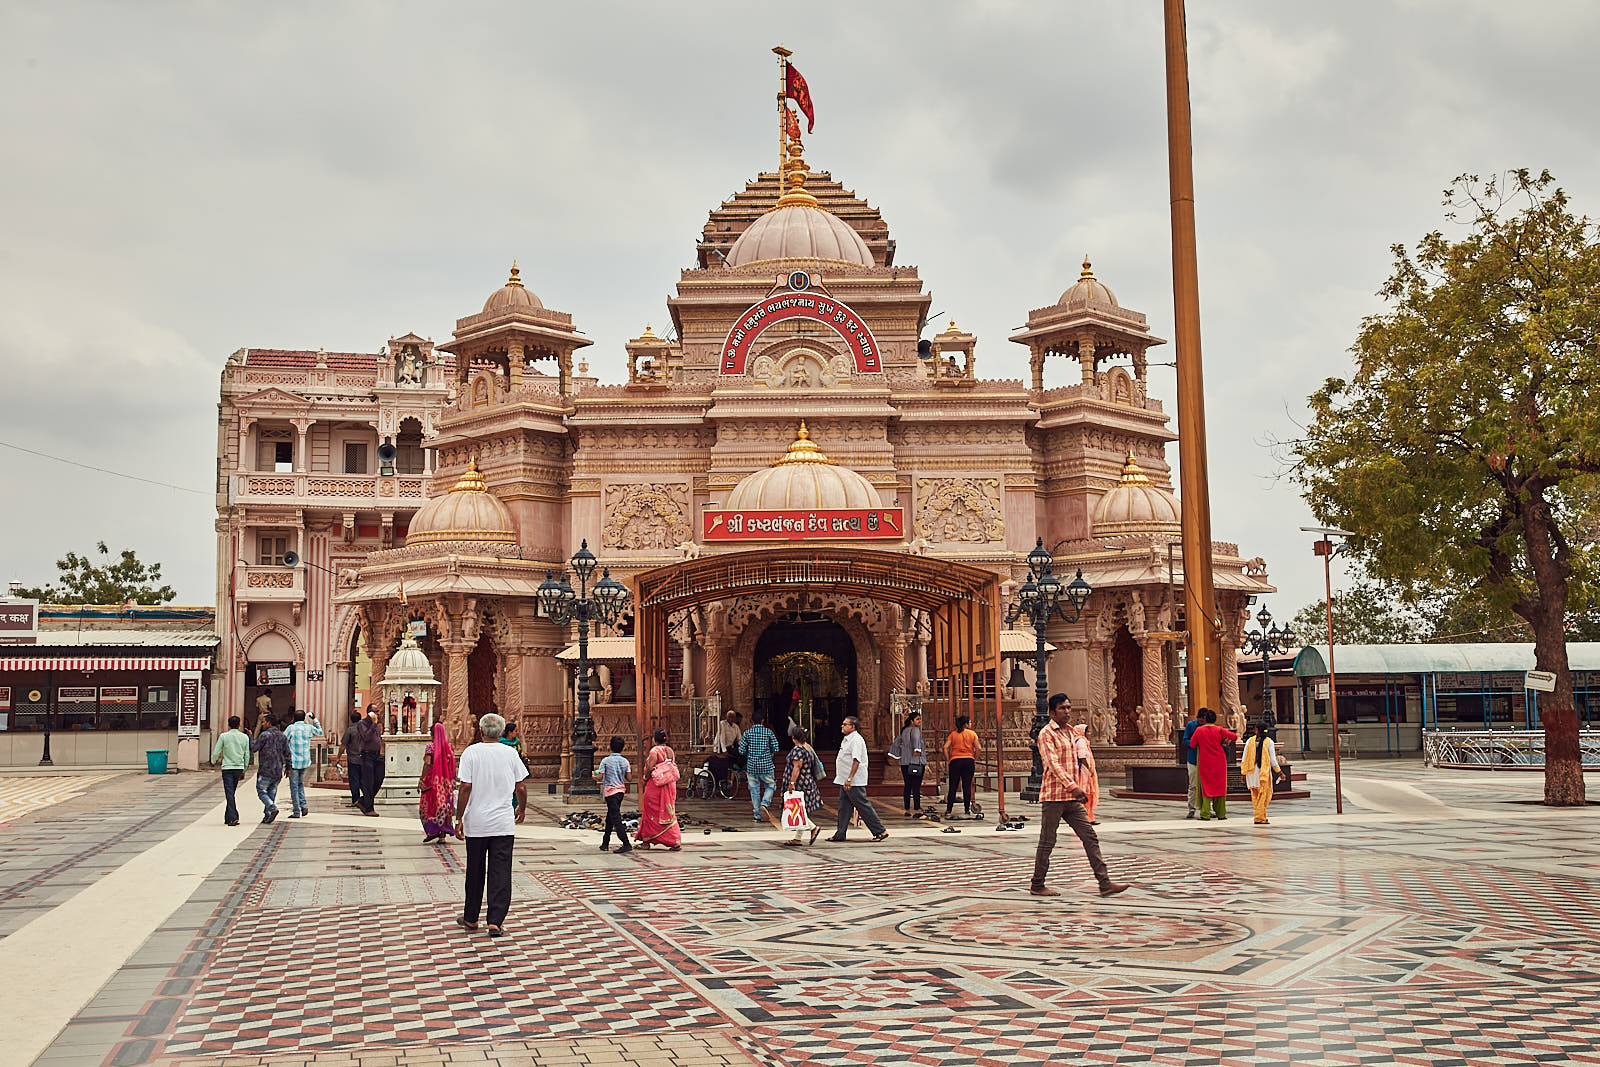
[[103, 470]]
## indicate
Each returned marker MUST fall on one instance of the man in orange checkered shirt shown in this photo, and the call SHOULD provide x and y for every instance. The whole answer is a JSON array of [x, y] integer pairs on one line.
[[1061, 796]]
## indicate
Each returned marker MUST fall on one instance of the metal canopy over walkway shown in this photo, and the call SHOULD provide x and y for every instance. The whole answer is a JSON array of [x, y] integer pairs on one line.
[[962, 602]]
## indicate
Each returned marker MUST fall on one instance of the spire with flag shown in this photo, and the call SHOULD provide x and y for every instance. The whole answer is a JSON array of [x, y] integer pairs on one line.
[[791, 86]]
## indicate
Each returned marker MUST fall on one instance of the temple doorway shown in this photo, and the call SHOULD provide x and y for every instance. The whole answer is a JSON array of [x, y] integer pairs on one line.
[[805, 671], [1127, 667], [481, 666]]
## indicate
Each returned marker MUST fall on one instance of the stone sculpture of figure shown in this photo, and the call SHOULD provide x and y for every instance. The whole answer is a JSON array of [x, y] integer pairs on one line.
[[1102, 726], [410, 366], [1153, 724], [1238, 720], [1136, 613], [923, 688], [688, 550]]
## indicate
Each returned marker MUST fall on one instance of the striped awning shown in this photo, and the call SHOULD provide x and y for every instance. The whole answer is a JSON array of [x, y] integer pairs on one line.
[[104, 663]]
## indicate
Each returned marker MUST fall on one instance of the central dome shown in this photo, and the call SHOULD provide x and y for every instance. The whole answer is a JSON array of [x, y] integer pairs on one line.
[[799, 228], [804, 478], [468, 512], [1136, 505]]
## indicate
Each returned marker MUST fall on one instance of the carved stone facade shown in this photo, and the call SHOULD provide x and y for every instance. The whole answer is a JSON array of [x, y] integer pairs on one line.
[[646, 515], [960, 509]]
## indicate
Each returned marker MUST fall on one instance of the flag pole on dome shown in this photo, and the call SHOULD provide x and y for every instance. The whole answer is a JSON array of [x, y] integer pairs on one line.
[[783, 55]]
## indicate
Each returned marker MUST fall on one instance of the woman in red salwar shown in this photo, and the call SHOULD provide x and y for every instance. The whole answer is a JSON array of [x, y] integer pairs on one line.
[[1213, 762]]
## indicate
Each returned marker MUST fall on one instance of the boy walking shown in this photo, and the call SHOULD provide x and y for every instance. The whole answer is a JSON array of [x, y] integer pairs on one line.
[[615, 774]]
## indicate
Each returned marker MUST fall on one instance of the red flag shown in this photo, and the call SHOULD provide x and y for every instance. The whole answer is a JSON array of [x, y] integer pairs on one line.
[[791, 125], [794, 87]]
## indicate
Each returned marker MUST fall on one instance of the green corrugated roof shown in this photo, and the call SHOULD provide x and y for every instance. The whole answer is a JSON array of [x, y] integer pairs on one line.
[[1312, 660]]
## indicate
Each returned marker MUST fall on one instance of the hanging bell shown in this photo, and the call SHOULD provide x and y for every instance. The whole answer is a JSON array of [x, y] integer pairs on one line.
[[624, 691], [1018, 680]]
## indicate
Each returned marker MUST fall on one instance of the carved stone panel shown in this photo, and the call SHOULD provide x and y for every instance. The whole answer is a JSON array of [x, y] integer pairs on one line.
[[960, 509], [641, 516]]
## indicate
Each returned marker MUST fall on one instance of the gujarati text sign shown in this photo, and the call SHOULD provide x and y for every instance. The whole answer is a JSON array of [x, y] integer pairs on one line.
[[807, 307], [803, 524]]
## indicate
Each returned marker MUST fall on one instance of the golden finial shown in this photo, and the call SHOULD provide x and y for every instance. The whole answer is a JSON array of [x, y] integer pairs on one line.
[[649, 334], [797, 171], [952, 327], [1133, 474], [1087, 275], [516, 276], [471, 481], [804, 450]]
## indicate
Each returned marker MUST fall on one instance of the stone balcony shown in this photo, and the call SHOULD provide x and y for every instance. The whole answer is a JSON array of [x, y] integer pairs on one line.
[[270, 584], [346, 491]]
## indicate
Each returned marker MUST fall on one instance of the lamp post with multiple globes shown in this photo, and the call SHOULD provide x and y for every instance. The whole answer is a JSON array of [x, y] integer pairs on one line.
[[1039, 600], [562, 604]]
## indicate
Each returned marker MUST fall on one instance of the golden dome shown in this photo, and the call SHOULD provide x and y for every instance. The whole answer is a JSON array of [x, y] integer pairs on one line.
[[1087, 290], [468, 512], [804, 478], [1136, 505], [512, 295], [799, 228]]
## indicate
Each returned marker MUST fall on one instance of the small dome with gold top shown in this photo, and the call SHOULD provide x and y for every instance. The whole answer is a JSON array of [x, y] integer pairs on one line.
[[1087, 290], [468, 512], [513, 294], [803, 478], [1136, 505], [799, 228]]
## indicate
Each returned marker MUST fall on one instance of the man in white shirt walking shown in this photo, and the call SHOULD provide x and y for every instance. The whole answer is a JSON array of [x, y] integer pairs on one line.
[[491, 799], [851, 778]]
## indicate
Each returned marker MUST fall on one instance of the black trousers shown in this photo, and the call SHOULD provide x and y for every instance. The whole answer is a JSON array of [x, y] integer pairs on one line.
[[371, 778], [489, 857], [614, 822], [352, 770], [961, 773], [912, 777], [230, 785]]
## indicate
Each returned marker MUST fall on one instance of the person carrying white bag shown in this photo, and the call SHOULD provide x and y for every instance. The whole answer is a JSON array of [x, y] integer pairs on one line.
[[802, 798]]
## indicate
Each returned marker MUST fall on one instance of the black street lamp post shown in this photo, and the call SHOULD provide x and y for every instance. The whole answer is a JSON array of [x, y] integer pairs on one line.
[[1268, 641], [1039, 600], [563, 605]]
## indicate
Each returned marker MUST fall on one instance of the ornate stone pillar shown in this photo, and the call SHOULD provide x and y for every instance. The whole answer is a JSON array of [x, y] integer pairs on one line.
[[1230, 682], [1099, 678], [513, 691], [894, 664], [1154, 674], [515, 359], [719, 672], [1086, 362], [457, 714], [301, 428], [1036, 365], [246, 461]]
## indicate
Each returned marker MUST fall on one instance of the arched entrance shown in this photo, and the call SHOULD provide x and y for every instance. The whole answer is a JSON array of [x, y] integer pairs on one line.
[[1127, 667], [805, 670], [481, 667]]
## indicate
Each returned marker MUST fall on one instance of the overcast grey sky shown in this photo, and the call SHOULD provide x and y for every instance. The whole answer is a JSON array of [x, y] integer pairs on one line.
[[181, 181]]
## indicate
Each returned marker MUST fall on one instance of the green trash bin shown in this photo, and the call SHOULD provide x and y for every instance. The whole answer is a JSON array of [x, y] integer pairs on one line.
[[156, 760]]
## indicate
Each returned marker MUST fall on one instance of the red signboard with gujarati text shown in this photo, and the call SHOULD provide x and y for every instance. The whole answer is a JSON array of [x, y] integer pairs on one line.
[[806, 306], [803, 524]]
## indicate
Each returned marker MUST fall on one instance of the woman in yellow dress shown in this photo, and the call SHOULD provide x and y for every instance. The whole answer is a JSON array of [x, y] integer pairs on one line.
[[1260, 768]]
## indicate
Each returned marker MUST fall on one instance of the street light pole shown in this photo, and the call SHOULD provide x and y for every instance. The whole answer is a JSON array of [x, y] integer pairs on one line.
[[563, 605], [1326, 549], [1038, 601], [1268, 640]]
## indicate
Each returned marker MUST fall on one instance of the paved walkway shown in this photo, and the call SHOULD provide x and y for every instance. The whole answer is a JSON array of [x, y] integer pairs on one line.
[[1440, 920]]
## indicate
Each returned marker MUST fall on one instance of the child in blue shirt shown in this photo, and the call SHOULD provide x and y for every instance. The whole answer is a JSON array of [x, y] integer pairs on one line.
[[615, 773]]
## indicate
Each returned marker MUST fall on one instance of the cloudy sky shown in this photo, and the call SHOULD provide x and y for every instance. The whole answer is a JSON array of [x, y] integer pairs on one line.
[[181, 181]]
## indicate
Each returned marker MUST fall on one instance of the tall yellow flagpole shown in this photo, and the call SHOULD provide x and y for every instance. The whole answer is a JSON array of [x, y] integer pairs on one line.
[[783, 55], [1200, 596]]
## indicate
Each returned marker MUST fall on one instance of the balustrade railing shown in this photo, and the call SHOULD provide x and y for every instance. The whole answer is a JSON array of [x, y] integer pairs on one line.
[[1498, 748]]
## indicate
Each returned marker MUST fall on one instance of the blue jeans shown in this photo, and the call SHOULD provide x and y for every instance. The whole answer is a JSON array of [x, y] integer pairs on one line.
[[230, 783], [267, 790], [762, 788], [297, 789]]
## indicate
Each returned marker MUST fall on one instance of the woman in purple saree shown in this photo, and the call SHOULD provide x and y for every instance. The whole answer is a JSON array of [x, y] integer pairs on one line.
[[436, 804]]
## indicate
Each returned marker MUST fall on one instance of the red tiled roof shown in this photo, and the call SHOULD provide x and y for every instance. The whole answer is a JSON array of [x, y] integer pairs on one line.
[[364, 362]]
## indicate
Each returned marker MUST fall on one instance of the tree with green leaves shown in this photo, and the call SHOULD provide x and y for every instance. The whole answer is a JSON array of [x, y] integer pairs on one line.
[[1465, 449], [83, 580], [1364, 613]]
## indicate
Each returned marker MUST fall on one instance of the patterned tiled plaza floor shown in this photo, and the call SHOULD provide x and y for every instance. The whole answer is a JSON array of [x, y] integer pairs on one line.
[[1463, 928]]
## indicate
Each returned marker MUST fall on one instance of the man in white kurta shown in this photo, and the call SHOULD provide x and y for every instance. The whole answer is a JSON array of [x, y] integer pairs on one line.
[[851, 778]]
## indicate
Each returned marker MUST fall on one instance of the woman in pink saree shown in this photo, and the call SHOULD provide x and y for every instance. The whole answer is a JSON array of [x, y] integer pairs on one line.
[[436, 803], [658, 813]]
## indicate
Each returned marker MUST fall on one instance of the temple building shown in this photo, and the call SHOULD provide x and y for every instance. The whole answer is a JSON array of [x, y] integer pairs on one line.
[[819, 503]]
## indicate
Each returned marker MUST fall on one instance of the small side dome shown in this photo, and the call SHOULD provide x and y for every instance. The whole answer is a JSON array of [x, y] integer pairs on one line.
[[468, 512], [1136, 505], [1087, 290], [804, 478], [799, 228], [511, 295], [409, 666]]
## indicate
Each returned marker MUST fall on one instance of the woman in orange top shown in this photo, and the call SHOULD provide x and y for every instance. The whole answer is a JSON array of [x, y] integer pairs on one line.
[[961, 755]]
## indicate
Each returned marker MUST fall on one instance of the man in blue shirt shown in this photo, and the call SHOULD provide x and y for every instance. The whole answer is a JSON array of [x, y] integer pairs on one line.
[[759, 746], [1192, 764], [299, 735]]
